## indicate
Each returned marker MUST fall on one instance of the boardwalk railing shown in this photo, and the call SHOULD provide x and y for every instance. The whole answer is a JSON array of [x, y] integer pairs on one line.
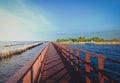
[[74, 59], [30, 72]]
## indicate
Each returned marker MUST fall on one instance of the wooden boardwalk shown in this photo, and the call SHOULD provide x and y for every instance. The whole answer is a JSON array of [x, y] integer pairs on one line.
[[54, 68], [59, 63]]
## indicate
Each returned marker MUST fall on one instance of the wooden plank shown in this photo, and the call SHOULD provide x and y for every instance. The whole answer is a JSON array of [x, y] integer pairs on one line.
[[54, 70]]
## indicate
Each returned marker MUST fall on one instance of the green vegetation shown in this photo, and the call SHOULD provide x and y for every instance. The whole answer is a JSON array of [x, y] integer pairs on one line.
[[83, 39]]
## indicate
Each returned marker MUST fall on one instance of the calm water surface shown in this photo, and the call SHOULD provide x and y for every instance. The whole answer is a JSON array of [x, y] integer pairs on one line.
[[11, 65], [112, 51]]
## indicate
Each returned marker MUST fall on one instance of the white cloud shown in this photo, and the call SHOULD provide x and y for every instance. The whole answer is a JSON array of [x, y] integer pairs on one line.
[[13, 27], [19, 21]]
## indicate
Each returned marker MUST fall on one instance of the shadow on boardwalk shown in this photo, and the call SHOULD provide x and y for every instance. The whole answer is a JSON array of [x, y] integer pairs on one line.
[[58, 70]]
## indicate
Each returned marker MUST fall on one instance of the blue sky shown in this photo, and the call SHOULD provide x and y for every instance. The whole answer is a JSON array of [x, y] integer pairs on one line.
[[52, 19]]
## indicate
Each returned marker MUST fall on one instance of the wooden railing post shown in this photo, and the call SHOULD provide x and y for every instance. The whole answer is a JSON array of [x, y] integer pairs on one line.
[[71, 56], [77, 59], [101, 67], [87, 68], [63, 51], [66, 53], [27, 78], [31, 75]]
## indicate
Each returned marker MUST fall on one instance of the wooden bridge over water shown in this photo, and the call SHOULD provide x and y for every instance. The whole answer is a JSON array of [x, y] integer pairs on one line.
[[59, 64]]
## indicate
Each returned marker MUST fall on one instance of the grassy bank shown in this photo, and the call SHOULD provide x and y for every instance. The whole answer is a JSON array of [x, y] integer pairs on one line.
[[99, 43], [83, 40]]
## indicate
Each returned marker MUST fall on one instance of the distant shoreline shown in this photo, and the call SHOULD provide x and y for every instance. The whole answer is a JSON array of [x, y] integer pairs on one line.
[[99, 43]]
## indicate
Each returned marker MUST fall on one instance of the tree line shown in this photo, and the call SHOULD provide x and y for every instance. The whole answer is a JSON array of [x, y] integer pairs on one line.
[[83, 39]]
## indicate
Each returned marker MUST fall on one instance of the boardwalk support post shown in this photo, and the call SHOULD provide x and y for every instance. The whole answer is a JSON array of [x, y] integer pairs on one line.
[[71, 55], [87, 68], [101, 67], [77, 59]]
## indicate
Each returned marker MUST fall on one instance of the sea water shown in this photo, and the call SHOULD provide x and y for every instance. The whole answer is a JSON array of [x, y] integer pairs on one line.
[[11, 65], [109, 50]]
